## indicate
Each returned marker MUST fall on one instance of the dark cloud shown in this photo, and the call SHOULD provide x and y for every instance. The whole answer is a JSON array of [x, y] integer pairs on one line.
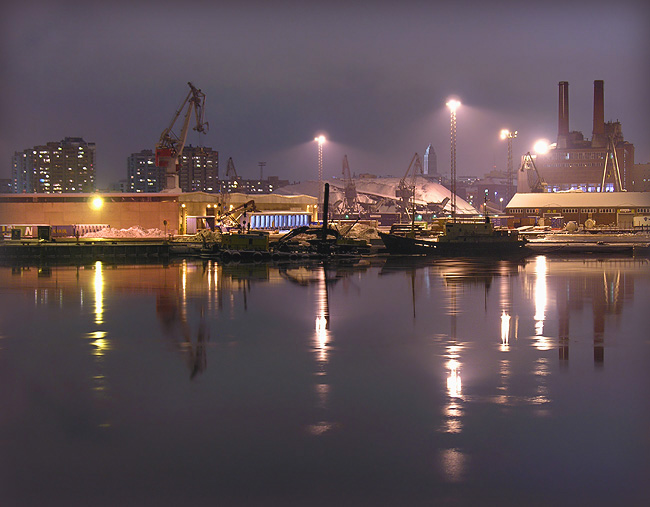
[[374, 75]]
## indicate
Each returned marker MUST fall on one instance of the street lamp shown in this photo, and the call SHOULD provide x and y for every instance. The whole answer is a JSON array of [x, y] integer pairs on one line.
[[321, 141], [453, 104], [509, 136], [541, 146]]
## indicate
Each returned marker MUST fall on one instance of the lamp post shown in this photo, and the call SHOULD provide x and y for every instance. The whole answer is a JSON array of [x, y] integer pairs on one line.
[[509, 136], [453, 105], [320, 140]]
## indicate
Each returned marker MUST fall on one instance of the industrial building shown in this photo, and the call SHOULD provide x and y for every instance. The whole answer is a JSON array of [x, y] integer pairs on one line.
[[601, 164], [169, 212], [615, 209], [55, 167]]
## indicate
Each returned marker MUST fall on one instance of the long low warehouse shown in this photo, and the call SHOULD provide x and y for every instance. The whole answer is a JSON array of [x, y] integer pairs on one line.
[[617, 209], [164, 211]]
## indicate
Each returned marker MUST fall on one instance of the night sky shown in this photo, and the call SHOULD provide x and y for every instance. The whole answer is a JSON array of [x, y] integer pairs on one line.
[[373, 76]]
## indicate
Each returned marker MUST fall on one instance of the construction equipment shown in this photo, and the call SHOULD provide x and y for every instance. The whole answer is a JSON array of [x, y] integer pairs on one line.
[[615, 172], [231, 172], [231, 218], [170, 146], [405, 191], [350, 202], [535, 180]]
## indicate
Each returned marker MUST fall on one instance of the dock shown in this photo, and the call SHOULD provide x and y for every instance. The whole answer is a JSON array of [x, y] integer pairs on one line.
[[108, 250]]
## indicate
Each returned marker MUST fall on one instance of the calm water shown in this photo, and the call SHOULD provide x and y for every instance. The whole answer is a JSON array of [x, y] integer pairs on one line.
[[376, 383]]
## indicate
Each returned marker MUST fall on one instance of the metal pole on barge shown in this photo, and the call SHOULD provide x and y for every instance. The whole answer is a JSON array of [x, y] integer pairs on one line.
[[326, 201]]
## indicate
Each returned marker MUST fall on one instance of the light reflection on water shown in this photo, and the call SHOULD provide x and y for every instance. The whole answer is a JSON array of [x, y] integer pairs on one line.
[[399, 379]]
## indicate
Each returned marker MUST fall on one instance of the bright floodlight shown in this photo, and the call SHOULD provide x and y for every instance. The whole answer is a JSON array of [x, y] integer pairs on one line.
[[320, 139], [97, 203], [504, 133], [541, 146], [453, 104]]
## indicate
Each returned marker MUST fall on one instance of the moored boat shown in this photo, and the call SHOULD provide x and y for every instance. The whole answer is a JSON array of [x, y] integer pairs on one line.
[[460, 239]]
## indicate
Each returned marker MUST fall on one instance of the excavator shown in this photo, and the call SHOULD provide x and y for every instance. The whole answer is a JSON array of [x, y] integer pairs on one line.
[[170, 146], [231, 218]]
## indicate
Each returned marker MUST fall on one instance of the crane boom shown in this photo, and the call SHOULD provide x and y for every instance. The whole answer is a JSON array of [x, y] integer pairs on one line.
[[538, 185], [170, 146], [405, 190]]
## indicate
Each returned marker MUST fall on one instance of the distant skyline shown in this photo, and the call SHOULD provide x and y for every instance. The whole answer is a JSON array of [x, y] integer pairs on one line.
[[372, 76]]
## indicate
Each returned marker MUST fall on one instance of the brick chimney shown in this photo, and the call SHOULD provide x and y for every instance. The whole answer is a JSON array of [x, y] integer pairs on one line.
[[598, 139], [563, 115]]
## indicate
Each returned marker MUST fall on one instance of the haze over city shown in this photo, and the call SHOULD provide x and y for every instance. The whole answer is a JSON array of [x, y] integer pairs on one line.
[[372, 76]]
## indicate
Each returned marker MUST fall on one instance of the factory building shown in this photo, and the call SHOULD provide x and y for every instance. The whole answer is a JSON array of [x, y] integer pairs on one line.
[[574, 162], [56, 167], [640, 178]]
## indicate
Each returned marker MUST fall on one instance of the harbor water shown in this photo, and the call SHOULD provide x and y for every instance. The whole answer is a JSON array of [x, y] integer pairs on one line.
[[379, 381]]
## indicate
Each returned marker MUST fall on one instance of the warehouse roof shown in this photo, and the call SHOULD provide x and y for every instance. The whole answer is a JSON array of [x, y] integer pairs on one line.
[[580, 200]]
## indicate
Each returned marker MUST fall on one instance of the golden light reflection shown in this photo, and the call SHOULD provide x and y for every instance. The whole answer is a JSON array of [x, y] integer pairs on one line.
[[504, 373], [454, 384], [321, 427], [505, 331], [542, 342], [541, 372], [541, 294], [453, 410], [183, 286], [322, 318], [322, 391], [453, 464], [99, 293], [99, 342]]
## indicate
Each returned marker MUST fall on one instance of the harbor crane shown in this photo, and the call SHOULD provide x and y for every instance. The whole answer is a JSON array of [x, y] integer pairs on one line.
[[535, 180], [170, 146], [231, 172], [350, 201], [405, 191], [615, 172]]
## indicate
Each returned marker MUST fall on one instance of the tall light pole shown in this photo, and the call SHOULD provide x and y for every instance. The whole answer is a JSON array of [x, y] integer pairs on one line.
[[321, 141], [509, 136], [453, 105]]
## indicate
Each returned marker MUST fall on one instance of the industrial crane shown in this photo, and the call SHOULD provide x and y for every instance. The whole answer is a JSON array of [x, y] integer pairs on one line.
[[615, 172], [350, 203], [538, 184], [405, 191], [170, 146], [231, 172]]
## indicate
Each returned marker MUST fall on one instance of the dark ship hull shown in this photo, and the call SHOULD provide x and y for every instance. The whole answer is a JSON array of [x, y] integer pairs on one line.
[[460, 240]]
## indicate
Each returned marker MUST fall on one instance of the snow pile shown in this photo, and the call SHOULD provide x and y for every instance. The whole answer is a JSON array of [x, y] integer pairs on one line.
[[131, 232]]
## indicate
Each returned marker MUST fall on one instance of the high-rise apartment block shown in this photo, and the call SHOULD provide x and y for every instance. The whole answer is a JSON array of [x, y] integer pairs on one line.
[[143, 174], [56, 167], [199, 169]]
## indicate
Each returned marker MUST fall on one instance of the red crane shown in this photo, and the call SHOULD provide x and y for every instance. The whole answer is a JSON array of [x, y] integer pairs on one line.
[[170, 146]]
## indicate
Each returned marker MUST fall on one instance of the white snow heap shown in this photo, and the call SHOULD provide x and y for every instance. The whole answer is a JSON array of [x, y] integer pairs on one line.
[[131, 232]]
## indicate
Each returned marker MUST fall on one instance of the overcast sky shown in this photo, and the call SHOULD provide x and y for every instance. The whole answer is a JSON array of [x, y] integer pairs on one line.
[[373, 76]]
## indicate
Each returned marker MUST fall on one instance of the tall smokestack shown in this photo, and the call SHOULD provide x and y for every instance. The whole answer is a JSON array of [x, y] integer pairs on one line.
[[598, 134], [563, 115]]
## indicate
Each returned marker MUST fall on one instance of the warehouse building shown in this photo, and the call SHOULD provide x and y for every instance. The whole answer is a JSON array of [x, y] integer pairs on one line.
[[616, 209], [164, 211]]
